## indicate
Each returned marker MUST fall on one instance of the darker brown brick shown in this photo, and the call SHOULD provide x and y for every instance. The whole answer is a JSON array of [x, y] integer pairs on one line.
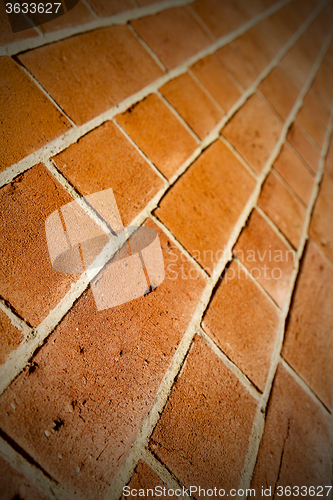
[[317, 108], [88, 83], [303, 146], [237, 65], [295, 448], [27, 278], [105, 159], [159, 134], [257, 46], [80, 14], [279, 91], [10, 337], [308, 347], [204, 431], [217, 81], [24, 108], [105, 8], [174, 35], [283, 208], [312, 124], [266, 257], [221, 17], [145, 478], [193, 104], [243, 323], [95, 379], [14, 486], [202, 208], [6, 34], [254, 131], [321, 230]]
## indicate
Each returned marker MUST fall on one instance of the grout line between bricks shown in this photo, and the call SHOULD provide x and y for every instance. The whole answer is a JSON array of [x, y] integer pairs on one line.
[[288, 187], [206, 91], [147, 48], [275, 228], [16, 321], [91, 10], [201, 22]]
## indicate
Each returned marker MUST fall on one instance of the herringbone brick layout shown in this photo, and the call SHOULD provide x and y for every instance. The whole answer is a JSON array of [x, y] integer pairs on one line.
[[211, 121]]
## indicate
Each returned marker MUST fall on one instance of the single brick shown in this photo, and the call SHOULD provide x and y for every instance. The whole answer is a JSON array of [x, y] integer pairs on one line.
[[283, 208], [10, 337], [90, 83], [105, 159], [295, 447], [303, 146], [158, 133], [243, 323], [237, 65], [144, 478], [317, 108], [204, 430], [295, 172], [24, 107], [81, 403], [27, 278], [308, 346], [217, 81], [174, 35], [6, 34], [266, 257], [105, 8], [80, 14], [14, 486], [254, 131], [279, 91], [312, 124], [193, 104], [321, 229], [220, 17], [257, 46], [202, 208]]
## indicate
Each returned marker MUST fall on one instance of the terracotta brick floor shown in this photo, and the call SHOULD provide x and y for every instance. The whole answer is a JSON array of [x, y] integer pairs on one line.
[[211, 121]]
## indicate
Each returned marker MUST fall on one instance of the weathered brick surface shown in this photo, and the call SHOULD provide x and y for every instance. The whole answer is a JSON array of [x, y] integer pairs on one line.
[[236, 63], [317, 108], [303, 146], [10, 337], [95, 379], [279, 91], [214, 191], [14, 485], [145, 478], [243, 323], [158, 133], [24, 107], [105, 8], [27, 278], [308, 346], [283, 208], [253, 131], [209, 403], [77, 16], [106, 158], [266, 257], [193, 104], [295, 448], [88, 83], [311, 124], [174, 35], [221, 18]]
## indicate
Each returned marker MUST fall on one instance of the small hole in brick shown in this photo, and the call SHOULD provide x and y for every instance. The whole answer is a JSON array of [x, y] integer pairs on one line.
[[81, 350], [121, 353], [58, 424], [32, 368]]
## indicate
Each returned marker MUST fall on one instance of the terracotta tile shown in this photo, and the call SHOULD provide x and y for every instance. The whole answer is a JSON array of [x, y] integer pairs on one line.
[[95, 379], [243, 323], [193, 104], [296, 64], [158, 133], [27, 278], [237, 65], [6, 34], [10, 337], [284, 209], [217, 81], [295, 448], [105, 8], [145, 478], [321, 85], [283, 23], [90, 83], [105, 159], [250, 9], [25, 107], [329, 160], [254, 131], [317, 108], [174, 35], [295, 173], [308, 344], [266, 257], [311, 124], [303, 146], [202, 208], [13, 485], [221, 17], [321, 229], [257, 46], [279, 91], [80, 14], [203, 433]]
